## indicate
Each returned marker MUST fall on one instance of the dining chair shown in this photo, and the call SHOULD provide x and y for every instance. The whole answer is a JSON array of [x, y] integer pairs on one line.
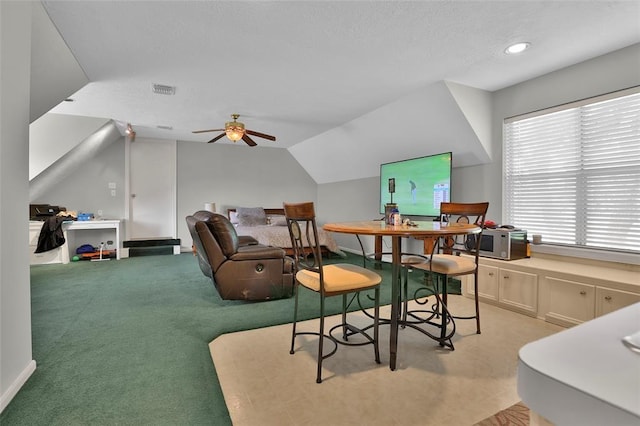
[[446, 260], [340, 279]]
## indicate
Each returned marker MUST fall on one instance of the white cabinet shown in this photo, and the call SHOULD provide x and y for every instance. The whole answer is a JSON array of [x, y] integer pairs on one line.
[[558, 290], [609, 300], [515, 290], [487, 283], [57, 255], [569, 302], [519, 291]]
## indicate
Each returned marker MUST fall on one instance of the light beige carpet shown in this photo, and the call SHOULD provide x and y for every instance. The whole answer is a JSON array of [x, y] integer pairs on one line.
[[264, 385]]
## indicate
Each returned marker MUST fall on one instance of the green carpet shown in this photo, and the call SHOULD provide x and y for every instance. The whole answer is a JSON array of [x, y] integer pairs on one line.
[[126, 342]]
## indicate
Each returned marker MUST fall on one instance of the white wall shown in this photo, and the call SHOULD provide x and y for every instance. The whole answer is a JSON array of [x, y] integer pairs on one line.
[[16, 363], [440, 114], [236, 176], [607, 73], [229, 175]]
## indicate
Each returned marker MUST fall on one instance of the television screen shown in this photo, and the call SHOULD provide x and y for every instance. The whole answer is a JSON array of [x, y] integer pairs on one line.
[[418, 185]]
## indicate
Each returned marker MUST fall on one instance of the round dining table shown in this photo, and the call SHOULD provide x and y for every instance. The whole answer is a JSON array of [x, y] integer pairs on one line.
[[417, 229]]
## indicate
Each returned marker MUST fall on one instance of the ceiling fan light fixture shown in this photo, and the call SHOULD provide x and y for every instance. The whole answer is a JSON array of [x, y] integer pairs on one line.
[[234, 130]]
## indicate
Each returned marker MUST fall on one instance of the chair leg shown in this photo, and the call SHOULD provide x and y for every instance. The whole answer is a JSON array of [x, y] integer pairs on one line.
[[405, 304], [376, 323], [321, 341], [295, 320], [445, 300], [345, 336], [475, 291]]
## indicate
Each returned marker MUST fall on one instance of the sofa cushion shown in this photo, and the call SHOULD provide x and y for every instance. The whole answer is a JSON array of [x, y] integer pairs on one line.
[[225, 233]]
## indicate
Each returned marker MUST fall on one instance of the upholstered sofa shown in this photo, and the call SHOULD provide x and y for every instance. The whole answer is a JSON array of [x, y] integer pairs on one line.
[[239, 267]]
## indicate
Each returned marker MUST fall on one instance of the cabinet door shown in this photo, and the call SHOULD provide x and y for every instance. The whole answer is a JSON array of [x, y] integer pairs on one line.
[[57, 255], [570, 302], [608, 300], [519, 291], [487, 283]]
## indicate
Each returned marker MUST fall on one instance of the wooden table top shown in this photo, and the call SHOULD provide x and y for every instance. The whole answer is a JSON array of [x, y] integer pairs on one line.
[[421, 228]]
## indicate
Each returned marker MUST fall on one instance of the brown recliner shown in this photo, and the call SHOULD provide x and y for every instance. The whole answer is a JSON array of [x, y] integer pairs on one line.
[[240, 268]]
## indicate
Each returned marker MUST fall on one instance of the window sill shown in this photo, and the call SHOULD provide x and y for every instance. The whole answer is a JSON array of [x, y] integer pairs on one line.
[[583, 253]]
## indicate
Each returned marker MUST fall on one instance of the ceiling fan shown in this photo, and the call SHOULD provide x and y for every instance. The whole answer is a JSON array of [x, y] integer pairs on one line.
[[235, 131]]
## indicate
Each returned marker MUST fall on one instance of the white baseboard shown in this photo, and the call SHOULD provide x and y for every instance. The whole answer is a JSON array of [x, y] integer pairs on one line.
[[7, 396]]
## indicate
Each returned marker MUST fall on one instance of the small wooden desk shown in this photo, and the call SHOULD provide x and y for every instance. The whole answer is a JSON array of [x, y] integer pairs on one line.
[[422, 229]]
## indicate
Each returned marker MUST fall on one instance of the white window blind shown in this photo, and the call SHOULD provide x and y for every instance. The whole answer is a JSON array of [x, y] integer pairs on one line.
[[572, 173]]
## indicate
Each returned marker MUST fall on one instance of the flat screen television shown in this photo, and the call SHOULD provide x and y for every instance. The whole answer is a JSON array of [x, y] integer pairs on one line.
[[419, 185]]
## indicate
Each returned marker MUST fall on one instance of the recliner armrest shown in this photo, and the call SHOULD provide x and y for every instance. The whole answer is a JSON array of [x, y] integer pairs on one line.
[[256, 252], [247, 240]]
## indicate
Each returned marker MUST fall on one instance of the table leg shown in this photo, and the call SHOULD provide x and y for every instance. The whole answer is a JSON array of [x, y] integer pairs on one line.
[[378, 252], [396, 250], [444, 313]]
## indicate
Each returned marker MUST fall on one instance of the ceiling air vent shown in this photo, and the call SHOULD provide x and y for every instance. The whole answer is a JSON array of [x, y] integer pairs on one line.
[[162, 89]]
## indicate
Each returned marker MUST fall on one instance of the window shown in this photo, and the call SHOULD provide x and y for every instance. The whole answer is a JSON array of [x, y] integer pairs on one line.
[[572, 173]]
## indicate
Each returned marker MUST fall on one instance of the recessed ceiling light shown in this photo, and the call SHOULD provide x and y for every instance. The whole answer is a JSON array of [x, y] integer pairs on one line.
[[517, 48]]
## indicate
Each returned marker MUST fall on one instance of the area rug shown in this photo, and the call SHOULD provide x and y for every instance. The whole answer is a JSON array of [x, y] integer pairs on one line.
[[516, 415]]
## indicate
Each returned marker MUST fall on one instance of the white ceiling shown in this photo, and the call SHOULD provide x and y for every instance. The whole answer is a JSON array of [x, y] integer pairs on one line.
[[299, 69]]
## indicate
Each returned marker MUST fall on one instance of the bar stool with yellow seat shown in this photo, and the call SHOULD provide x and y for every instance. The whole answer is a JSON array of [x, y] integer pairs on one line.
[[328, 280], [447, 265]]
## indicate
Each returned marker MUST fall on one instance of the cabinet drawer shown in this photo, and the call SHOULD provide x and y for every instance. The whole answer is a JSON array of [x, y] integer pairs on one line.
[[569, 302]]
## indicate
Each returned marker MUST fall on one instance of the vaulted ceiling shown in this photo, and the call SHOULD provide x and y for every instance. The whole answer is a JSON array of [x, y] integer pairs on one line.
[[348, 77]]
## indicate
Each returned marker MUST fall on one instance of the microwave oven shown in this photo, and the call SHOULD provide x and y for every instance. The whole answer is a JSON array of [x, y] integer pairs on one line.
[[501, 243]]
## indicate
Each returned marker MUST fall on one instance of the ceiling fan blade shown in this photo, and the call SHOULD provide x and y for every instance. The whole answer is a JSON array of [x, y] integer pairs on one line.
[[248, 140], [260, 135], [210, 130], [217, 137]]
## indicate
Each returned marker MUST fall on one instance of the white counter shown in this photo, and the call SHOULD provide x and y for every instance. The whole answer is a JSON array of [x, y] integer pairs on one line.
[[584, 375]]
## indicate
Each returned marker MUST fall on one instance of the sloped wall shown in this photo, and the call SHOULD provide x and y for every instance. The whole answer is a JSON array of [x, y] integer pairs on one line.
[[53, 135], [428, 121], [55, 73]]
